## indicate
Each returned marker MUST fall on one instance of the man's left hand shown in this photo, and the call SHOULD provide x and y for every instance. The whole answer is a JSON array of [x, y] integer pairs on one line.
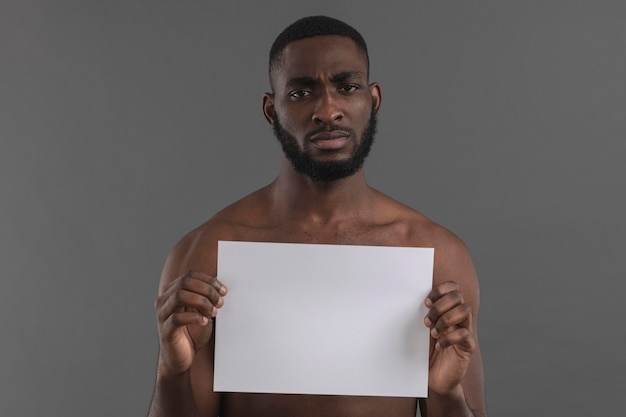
[[452, 338]]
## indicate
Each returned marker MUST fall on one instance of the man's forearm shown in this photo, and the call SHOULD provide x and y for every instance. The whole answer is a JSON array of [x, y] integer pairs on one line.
[[173, 397]]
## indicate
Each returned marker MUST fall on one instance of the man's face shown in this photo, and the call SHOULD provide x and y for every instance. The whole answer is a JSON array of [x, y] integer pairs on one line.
[[322, 111]]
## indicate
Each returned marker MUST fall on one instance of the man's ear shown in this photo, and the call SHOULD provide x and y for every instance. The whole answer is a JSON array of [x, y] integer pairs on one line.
[[268, 108], [377, 97]]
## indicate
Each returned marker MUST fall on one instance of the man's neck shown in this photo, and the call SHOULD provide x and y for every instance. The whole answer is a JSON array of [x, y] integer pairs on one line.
[[302, 199]]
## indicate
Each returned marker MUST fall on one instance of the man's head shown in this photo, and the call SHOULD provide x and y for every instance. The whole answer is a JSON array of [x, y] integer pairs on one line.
[[308, 27], [322, 108]]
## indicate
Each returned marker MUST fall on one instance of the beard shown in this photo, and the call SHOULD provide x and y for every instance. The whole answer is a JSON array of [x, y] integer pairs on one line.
[[326, 171]]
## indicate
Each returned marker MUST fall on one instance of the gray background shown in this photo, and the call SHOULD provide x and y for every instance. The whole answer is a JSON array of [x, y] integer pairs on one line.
[[124, 124]]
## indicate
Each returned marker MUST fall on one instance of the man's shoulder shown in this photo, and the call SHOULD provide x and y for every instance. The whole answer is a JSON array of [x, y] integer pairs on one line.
[[197, 249], [415, 227], [452, 258], [227, 223]]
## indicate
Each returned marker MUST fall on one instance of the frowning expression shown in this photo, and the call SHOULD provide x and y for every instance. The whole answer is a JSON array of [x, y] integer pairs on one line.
[[322, 100]]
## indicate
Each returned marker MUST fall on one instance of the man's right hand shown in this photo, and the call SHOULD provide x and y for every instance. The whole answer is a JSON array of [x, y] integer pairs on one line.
[[185, 310]]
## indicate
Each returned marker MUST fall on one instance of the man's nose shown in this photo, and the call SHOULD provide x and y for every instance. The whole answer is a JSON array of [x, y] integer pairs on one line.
[[328, 109]]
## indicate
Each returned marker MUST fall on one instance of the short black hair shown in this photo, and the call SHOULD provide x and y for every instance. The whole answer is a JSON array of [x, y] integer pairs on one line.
[[311, 26]]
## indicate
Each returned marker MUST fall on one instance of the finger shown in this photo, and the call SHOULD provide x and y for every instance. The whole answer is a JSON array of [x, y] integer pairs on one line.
[[195, 279], [439, 291], [211, 280], [190, 293], [442, 305], [181, 319], [459, 316], [461, 338], [210, 289], [184, 299], [170, 300], [188, 317]]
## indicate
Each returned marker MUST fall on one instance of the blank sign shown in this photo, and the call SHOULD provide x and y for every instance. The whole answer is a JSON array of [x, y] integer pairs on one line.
[[323, 319]]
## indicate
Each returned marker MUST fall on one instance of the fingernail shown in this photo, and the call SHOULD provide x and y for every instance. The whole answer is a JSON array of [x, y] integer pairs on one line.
[[434, 332], [438, 346], [427, 322]]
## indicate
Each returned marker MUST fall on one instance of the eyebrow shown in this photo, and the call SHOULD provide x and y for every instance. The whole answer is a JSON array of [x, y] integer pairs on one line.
[[346, 75], [301, 81], [337, 78]]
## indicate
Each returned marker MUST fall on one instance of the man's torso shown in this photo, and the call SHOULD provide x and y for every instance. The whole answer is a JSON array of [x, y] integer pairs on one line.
[[391, 224]]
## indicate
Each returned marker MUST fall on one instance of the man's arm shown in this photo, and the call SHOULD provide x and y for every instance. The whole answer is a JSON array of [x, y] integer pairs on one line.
[[456, 376], [187, 303]]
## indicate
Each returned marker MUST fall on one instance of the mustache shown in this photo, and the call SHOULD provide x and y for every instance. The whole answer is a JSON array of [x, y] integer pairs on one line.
[[330, 128]]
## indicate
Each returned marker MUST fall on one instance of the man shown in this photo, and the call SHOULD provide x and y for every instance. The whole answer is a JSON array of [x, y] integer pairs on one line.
[[323, 111]]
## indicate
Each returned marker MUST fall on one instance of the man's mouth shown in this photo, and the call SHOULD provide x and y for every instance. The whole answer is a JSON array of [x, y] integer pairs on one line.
[[330, 140]]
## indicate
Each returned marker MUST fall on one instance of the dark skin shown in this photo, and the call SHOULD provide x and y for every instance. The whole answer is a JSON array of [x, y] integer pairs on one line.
[[320, 81]]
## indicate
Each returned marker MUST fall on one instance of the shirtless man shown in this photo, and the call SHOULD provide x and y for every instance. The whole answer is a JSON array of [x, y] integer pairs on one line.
[[323, 111]]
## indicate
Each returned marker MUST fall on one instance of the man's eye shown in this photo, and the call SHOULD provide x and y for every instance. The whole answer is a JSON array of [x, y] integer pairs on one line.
[[348, 88], [299, 93]]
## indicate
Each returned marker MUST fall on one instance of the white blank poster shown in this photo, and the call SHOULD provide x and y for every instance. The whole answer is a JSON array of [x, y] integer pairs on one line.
[[323, 319]]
